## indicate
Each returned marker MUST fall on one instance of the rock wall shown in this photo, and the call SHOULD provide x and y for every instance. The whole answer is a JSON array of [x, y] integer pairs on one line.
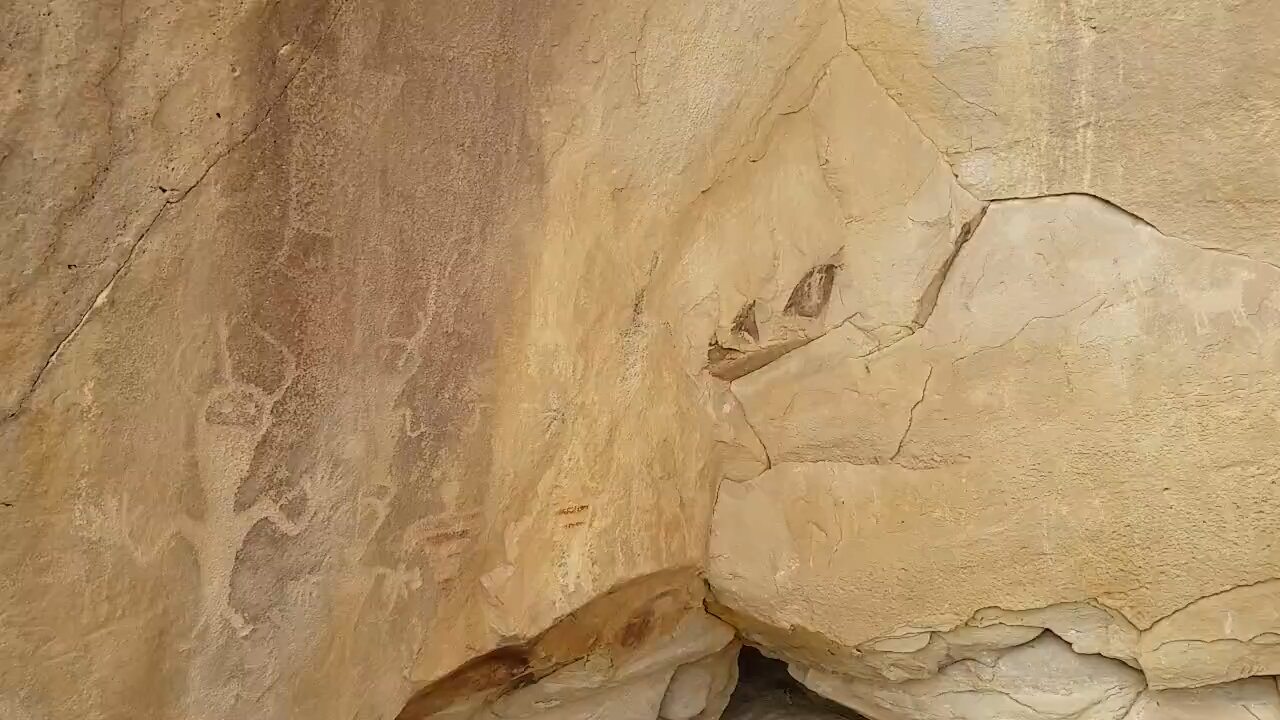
[[373, 358]]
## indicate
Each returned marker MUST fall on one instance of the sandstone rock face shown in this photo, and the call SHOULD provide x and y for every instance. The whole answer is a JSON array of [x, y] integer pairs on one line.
[[1018, 434], [299, 413], [386, 359], [1045, 679], [701, 690]]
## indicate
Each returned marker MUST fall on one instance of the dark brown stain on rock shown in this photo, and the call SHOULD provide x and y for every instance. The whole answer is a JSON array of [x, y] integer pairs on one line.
[[811, 295], [744, 323], [616, 623]]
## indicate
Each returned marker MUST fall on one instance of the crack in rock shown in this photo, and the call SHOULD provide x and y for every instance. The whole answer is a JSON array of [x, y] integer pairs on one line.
[[929, 300], [911, 416], [1210, 596], [746, 419], [101, 297], [1030, 321]]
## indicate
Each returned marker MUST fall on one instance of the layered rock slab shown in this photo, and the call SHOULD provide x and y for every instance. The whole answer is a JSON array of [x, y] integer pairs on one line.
[[1042, 680], [1083, 422], [1039, 680]]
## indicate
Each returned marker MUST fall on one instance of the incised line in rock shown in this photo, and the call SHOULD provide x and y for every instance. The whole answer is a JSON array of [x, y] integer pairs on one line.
[[746, 419], [1028, 323], [993, 691], [1210, 596], [911, 416]]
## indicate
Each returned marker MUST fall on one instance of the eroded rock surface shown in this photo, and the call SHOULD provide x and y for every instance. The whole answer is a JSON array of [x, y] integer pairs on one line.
[[1081, 428]]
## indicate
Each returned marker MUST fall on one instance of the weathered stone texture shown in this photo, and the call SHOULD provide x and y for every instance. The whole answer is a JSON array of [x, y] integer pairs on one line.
[[377, 358]]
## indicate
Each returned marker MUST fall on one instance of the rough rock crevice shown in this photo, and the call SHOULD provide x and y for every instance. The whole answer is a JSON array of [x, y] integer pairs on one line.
[[929, 300]]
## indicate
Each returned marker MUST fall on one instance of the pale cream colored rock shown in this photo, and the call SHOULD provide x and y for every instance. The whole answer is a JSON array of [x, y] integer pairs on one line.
[[904, 644], [1254, 699], [635, 699], [1088, 627], [1085, 418], [909, 665], [919, 656], [1028, 98], [724, 680], [804, 416], [969, 642], [687, 693], [700, 690], [1042, 680]]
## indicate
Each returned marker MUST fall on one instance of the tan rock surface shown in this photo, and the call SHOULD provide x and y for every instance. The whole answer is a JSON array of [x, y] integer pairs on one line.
[[1168, 109], [1041, 680], [1084, 419], [1228, 635], [364, 359], [620, 685], [373, 389], [701, 690], [111, 115]]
